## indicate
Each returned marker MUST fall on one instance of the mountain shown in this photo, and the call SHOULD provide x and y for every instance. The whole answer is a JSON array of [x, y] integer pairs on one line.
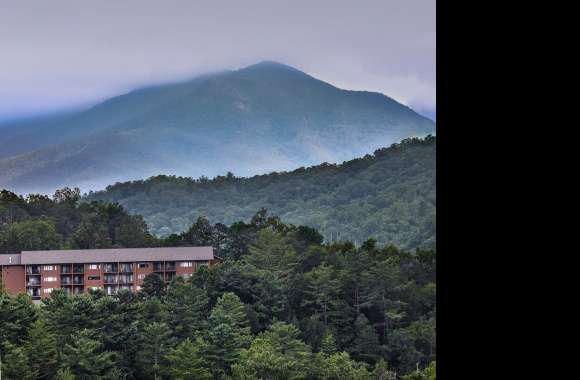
[[262, 118], [389, 196]]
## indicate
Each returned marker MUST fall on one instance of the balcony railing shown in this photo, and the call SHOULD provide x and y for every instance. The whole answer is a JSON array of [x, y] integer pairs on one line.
[[33, 281], [125, 279], [110, 268], [111, 279], [65, 269], [34, 269], [125, 268], [157, 267], [78, 268], [78, 280], [170, 266], [66, 280]]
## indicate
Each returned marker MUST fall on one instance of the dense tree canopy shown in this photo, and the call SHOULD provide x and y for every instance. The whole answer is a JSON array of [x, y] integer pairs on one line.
[[281, 305], [37, 222], [389, 196]]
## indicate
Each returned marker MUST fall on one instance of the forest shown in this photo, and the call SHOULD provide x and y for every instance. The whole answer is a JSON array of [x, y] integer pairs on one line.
[[283, 303], [388, 196]]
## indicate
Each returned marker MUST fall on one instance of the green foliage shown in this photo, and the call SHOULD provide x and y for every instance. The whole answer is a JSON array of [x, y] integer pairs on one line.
[[280, 306], [389, 196], [85, 356], [186, 361], [276, 354], [37, 222], [228, 334], [16, 364], [40, 344], [340, 366]]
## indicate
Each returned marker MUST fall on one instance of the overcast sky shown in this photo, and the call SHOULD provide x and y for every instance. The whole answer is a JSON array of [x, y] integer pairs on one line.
[[62, 54]]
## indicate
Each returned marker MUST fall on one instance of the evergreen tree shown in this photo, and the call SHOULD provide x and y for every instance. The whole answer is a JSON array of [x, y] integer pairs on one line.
[[15, 363], [382, 372], [152, 286], [185, 305], [155, 344], [85, 356], [366, 344], [40, 347], [322, 291], [328, 345], [339, 367], [186, 362], [276, 354], [229, 333]]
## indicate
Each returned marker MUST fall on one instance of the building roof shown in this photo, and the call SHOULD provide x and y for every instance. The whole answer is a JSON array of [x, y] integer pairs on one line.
[[10, 259], [79, 256]]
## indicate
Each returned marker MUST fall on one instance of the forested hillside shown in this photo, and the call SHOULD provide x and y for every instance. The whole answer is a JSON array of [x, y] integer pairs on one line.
[[282, 305], [262, 118], [389, 196]]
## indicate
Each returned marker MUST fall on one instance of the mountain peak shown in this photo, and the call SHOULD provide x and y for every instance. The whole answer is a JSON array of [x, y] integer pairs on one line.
[[269, 65]]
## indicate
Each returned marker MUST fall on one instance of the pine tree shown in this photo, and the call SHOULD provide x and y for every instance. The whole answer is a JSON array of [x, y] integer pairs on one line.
[[85, 356], [186, 362], [229, 333], [155, 344], [366, 344], [40, 344], [328, 345], [15, 363], [382, 372], [152, 286], [185, 305]]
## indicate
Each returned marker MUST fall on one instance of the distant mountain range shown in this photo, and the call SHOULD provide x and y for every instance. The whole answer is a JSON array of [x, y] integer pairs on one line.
[[263, 118], [389, 196]]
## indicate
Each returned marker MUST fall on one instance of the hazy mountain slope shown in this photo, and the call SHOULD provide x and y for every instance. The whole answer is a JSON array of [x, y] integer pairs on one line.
[[255, 120], [389, 196]]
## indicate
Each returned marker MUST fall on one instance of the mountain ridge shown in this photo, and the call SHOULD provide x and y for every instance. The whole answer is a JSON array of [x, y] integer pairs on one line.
[[261, 118], [388, 195]]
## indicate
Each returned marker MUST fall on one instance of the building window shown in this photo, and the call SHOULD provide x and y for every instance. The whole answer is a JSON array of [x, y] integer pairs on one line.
[[48, 267], [186, 264], [47, 290], [143, 265], [94, 278], [203, 263], [94, 266], [141, 276], [49, 279]]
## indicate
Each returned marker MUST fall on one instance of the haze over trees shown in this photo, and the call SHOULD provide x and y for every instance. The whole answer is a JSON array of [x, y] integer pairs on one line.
[[389, 196]]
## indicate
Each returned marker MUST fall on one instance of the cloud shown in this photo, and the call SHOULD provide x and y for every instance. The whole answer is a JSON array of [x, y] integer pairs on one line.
[[66, 53]]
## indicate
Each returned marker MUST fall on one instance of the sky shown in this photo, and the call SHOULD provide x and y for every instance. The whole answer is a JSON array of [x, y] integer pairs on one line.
[[68, 54]]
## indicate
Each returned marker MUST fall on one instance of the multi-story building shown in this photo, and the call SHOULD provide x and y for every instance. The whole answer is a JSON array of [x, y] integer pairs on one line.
[[38, 273]]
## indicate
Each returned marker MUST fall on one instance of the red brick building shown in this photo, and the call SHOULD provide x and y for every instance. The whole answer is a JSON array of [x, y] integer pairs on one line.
[[38, 273]]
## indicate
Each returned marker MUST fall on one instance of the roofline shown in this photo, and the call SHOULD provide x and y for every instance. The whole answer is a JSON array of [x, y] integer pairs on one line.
[[82, 256]]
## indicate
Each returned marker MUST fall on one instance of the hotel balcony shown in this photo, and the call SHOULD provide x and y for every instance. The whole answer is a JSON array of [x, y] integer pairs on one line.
[[110, 268], [111, 279], [78, 280], [126, 268], [66, 269], [33, 281], [33, 269]]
